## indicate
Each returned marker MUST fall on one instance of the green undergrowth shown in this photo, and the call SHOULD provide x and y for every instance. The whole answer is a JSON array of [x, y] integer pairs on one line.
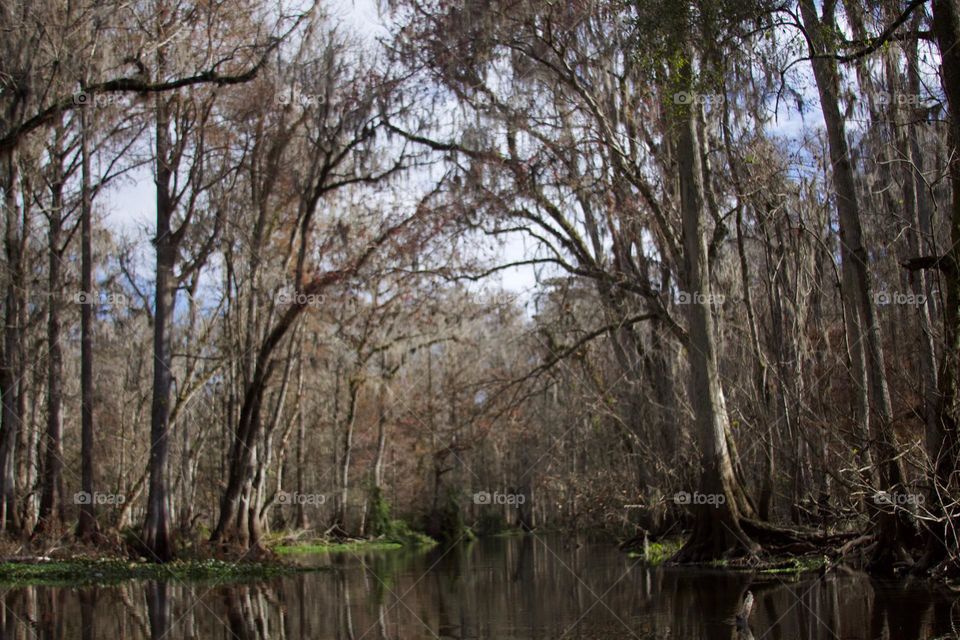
[[83, 571], [658, 552], [796, 565], [774, 565], [397, 535], [661, 551], [352, 546], [400, 532]]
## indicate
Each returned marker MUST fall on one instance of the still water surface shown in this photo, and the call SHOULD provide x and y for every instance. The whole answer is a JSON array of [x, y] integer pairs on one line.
[[522, 588]]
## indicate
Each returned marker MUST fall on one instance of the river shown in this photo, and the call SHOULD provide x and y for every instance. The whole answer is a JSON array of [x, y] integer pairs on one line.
[[515, 588]]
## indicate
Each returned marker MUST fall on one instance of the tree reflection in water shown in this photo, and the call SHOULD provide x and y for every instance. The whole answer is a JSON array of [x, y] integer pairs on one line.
[[523, 588]]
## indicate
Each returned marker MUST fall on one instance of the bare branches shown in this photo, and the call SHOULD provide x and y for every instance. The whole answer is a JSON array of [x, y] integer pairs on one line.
[[141, 84]]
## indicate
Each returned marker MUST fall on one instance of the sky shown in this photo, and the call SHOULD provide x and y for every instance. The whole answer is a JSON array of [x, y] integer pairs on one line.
[[129, 207]]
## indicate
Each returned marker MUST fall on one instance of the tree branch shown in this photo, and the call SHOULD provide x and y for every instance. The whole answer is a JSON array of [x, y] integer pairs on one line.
[[11, 138]]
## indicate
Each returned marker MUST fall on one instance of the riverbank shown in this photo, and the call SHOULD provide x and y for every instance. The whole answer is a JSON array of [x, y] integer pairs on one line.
[[92, 571], [658, 553], [75, 564], [86, 566], [662, 553], [348, 546]]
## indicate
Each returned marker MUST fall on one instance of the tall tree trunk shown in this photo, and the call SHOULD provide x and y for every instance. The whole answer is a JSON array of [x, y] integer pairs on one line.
[[156, 528], [10, 416], [346, 452], [51, 496], [231, 523], [853, 333], [918, 209], [381, 426], [893, 526], [717, 531], [87, 526], [302, 521], [761, 389], [249, 423], [942, 442], [258, 505]]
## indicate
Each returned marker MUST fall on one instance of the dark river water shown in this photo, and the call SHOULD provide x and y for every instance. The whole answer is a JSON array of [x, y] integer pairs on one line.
[[508, 588]]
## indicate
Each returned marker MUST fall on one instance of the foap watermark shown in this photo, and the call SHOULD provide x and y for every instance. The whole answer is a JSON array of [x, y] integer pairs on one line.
[[289, 296], [84, 497], [109, 299], [690, 97], [700, 298], [696, 498], [503, 298], [510, 499], [285, 497], [99, 100], [884, 498], [902, 99], [295, 96], [884, 298]]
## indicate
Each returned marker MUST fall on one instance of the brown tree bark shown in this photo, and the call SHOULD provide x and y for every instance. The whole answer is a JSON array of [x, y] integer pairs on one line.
[[893, 527], [50, 516], [87, 525], [717, 531], [354, 384], [10, 364], [156, 527], [943, 445], [301, 462]]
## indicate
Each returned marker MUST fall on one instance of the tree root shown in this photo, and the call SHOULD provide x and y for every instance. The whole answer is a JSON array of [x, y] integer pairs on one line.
[[770, 540], [849, 546]]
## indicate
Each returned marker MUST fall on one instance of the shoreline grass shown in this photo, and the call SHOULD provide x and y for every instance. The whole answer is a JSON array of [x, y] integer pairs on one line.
[[410, 541], [658, 552], [353, 546], [90, 571]]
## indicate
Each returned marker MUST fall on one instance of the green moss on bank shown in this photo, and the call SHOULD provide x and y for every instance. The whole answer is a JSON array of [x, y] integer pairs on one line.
[[773, 565], [400, 532], [113, 570], [797, 565], [661, 551], [354, 546], [658, 552], [398, 535]]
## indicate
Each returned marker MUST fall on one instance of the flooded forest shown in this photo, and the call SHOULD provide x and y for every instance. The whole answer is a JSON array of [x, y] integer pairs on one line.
[[480, 319]]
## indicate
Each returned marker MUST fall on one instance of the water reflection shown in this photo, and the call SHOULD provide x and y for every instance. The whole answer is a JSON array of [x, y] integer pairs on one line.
[[518, 588]]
